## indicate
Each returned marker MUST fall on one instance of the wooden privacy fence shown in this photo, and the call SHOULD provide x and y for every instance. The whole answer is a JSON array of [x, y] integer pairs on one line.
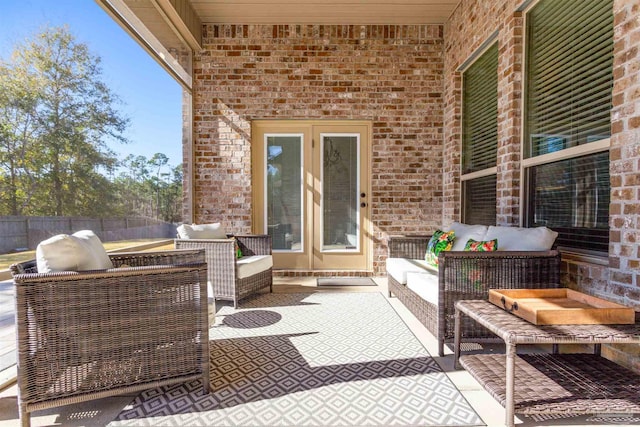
[[21, 232]]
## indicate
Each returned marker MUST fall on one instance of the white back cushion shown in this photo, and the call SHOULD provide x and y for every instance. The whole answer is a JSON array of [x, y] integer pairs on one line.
[[201, 231], [80, 251], [522, 239], [465, 232], [184, 231], [100, 258]]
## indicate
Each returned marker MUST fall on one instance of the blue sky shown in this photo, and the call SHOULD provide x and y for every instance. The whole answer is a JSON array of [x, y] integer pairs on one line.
[[151, 98]]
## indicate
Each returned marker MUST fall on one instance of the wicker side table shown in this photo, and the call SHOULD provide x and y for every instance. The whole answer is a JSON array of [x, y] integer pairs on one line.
[[550, 383]]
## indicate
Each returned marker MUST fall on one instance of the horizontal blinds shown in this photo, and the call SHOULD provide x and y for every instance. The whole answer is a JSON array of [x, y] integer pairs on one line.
[[480, 112], [480, 200], [572, 197], [569, 74]]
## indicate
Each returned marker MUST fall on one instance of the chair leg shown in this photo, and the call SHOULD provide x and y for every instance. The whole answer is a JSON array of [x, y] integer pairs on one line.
[[25, 417]]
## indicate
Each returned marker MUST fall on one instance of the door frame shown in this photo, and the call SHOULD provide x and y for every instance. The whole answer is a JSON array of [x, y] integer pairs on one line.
[[304, 260]]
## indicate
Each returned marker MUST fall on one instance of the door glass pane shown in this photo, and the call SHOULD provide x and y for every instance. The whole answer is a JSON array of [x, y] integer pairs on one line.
[[284, 191], [340, 198]]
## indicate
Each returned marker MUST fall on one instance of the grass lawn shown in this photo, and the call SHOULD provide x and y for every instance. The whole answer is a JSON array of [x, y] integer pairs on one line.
[[7, 259]]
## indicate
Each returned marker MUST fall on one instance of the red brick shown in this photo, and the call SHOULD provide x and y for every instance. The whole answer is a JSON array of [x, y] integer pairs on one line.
[[634, 122], [621, 277]]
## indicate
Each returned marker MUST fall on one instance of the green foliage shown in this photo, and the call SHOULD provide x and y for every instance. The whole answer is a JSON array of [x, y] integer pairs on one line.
[[150, 187], [56, 117]]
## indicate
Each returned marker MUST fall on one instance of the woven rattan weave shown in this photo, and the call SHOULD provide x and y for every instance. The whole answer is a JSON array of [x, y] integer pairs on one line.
[[551, 383], [469, 275], [91, 334], [560, 383], [223, 272]]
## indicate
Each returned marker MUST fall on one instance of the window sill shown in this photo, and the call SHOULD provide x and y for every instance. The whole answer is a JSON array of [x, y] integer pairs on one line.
[[589, 258]]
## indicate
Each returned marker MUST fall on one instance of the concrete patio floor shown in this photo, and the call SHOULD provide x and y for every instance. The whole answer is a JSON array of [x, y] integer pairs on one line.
[[100, 412]]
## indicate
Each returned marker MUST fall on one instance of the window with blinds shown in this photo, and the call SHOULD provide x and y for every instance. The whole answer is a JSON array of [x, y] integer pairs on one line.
[[480, 138], [572, 197], [569, 74], [479, 196], [568, 81], [480, 112]]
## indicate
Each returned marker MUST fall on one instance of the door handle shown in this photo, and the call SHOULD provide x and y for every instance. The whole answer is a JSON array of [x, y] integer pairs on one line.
[[363, 205], [363, 195]]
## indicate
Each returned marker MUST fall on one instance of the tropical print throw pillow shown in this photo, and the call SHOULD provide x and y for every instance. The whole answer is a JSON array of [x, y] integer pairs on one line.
[[487, 246], [237, 249], [440, 241]]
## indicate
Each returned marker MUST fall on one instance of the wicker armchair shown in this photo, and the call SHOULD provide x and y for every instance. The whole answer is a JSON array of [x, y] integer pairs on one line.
[[91, 334], [500, 269], [226, 272]]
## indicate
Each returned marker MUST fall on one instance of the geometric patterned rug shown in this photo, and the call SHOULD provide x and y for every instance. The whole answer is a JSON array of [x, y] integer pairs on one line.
[[318, 359]]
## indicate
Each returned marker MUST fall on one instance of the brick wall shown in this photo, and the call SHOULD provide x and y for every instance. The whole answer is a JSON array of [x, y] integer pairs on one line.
[[624, 248], [509, 119], [389, 75], [471, 25], [187, 151]]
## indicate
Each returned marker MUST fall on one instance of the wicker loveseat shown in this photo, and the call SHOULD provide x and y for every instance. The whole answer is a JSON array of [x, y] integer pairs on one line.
[[90, 334], [231, 277], [430, 293]]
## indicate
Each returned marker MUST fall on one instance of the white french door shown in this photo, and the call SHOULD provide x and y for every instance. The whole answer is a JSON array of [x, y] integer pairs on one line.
[[310, 187]]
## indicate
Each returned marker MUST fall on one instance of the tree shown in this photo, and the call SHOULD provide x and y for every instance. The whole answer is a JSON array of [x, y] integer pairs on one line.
[[59, 114], [158, 161], [144, 191], [132, 186], [18, 143], [56, 118], [172, 208]]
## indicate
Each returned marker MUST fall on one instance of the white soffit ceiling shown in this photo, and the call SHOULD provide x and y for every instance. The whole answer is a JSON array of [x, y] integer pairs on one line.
[[168, 28], [344, 12]]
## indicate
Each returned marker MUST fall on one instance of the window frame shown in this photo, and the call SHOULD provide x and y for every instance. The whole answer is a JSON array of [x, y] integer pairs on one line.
[[529, 161]]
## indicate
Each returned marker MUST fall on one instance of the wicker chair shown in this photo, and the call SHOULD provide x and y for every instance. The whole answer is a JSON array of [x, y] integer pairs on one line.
[[500, 269], [91, 334], [224, 274]]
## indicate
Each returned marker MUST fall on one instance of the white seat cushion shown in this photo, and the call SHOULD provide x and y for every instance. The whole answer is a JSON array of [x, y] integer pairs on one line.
[[80, 251], [201, 231], [522, 239], [399, 267], [424, 284], [465, 232], [250, 265]]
